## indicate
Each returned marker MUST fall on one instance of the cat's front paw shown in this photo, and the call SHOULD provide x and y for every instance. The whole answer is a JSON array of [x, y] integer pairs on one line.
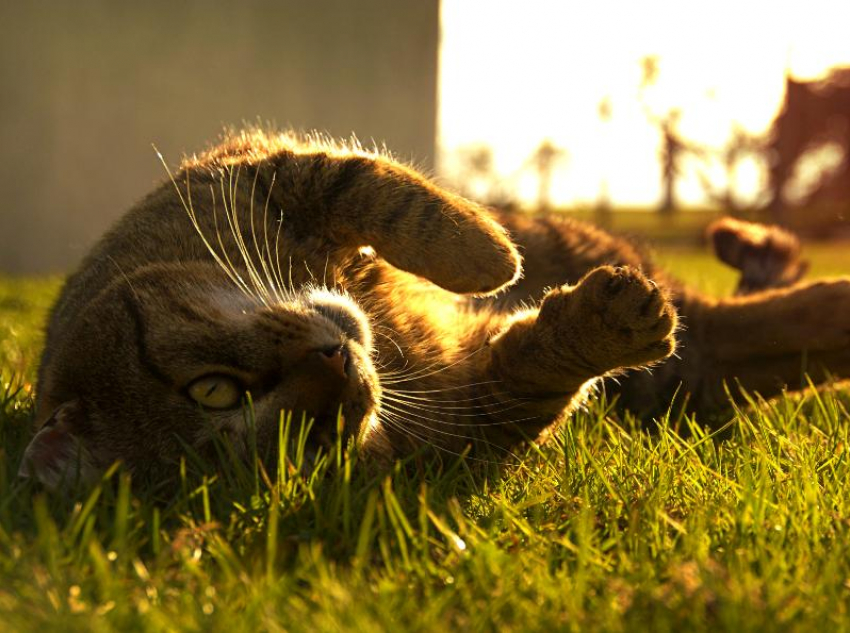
[[614, 317]]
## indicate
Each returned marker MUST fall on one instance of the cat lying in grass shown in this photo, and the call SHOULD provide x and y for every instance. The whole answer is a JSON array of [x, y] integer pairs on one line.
[[340, 285]]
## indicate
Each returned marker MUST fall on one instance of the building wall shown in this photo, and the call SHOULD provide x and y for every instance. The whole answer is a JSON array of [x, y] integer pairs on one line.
[[88, 86]]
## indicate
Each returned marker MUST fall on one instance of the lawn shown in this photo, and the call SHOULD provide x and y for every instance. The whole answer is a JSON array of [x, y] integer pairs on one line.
[[612, 525]]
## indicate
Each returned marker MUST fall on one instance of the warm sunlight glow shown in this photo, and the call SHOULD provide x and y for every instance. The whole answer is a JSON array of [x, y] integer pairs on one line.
[[514, 74]]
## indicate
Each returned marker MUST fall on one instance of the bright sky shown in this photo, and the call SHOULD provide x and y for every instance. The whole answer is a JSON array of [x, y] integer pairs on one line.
[[514, 73]]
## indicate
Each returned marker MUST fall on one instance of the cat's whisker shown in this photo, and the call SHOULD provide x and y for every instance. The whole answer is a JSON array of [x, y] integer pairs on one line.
[[405, 375], [427, 374], [265, 281], [425, 407], [400, 424], [291, 284], [409, 394], [416, 395], [447, 388], [490, 407], [230, 225], [242, 284], [390, 339], [189, 208], [325, 272], [258, 278], [271, 285], [126, 278], [400, 408], [397, 423], [236, 231], [406, 416], [287, 289], [466, 411], [273, 270], [482, 404], [476, 411]]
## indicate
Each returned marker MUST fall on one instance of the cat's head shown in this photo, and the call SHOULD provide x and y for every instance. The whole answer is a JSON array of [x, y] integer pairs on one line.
[[161, 359], [165, 359]]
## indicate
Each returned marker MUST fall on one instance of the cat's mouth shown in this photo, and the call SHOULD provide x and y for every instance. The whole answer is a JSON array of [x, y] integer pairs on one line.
[[332, 408], [343, 419], [311, 435]]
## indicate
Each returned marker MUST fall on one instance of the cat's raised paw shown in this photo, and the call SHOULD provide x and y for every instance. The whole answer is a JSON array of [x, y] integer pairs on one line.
[[614, 317]]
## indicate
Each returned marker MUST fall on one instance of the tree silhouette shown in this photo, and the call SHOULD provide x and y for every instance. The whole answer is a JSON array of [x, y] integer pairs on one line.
[[740, 145], [604, 111], [672, 148], [543, 161], [478, 179], [673, 145]]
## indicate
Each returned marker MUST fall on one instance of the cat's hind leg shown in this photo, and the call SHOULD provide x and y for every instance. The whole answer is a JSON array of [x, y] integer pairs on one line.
[[766, 256], [765, 341]]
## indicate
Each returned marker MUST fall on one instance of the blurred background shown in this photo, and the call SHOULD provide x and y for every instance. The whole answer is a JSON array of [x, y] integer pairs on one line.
[[648, 117]]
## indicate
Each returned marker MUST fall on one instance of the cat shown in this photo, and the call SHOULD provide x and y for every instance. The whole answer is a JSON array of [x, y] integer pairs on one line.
[[339, 284]]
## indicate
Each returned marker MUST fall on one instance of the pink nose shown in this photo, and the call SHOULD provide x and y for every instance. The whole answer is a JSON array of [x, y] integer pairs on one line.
[[335, 359]]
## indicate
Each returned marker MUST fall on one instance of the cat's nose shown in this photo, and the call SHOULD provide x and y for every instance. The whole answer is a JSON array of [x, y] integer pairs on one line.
[[336, 359]]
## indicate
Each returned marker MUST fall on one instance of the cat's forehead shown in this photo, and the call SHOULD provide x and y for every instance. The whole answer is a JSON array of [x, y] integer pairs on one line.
[[197, 289], [229, 301]]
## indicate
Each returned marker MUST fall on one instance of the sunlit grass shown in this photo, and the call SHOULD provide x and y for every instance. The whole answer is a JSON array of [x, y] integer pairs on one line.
[[611, 525], [24, 304]]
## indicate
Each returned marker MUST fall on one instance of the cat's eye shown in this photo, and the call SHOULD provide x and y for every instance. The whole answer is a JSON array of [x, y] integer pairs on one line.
[[215, 391]]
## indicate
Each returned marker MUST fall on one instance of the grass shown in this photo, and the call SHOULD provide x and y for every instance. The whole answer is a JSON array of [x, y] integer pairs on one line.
[[609, 526]]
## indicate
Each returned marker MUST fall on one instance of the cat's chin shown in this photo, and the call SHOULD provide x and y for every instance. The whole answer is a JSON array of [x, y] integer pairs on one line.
[[347, 420], [327, 431]]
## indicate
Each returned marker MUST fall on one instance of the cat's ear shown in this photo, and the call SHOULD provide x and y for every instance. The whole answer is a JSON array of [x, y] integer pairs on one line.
[[57, 457]]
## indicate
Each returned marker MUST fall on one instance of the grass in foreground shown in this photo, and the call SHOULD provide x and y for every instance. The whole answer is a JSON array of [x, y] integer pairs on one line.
[[610, 525]]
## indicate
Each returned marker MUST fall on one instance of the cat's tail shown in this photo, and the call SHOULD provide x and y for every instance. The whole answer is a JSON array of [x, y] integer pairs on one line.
[[766, 256]]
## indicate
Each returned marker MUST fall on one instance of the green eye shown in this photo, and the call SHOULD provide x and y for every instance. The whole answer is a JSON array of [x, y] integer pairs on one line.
[[216, 391]]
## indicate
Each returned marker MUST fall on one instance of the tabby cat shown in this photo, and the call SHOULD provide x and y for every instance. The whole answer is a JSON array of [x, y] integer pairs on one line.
[[339, 284]]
